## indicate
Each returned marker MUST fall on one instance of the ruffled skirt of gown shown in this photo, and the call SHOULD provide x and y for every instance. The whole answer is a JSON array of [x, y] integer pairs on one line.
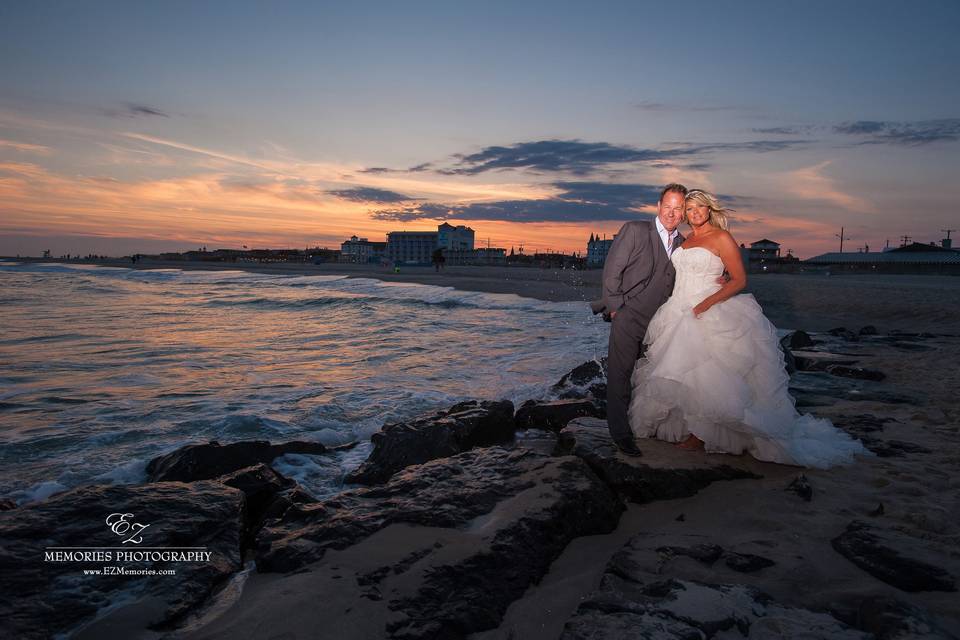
[[721, 377]]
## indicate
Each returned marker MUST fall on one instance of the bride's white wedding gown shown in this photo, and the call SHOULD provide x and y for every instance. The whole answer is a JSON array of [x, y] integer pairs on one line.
[[721, 377]]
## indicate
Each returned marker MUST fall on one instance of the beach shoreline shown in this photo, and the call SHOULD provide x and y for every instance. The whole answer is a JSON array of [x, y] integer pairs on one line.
[[809, 301]]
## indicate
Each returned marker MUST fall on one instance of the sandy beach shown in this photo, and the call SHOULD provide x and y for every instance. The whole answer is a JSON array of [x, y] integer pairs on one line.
[[809, 301]]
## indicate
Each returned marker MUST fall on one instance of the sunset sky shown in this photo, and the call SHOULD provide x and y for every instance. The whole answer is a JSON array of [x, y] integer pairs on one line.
[[149, 126]]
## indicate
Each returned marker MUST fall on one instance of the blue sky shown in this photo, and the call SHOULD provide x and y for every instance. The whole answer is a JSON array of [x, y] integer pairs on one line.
[[174, 124]]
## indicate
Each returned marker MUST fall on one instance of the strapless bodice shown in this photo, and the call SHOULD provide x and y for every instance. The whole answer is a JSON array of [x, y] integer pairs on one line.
[[697, 270]]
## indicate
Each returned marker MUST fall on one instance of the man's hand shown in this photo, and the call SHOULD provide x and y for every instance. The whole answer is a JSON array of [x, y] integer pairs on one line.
[[724, 278], [613, 314]]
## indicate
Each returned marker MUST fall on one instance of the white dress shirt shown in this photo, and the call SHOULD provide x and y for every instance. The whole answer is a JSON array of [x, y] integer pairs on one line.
[[666, 237]]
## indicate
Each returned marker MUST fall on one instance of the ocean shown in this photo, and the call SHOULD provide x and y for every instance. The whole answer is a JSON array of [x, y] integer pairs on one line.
[[103, 368]]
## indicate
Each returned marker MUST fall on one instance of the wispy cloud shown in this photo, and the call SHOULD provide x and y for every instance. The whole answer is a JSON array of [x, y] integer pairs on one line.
[[649, 105], [811, 183], [25, 147], [915, 133], [133, 110]]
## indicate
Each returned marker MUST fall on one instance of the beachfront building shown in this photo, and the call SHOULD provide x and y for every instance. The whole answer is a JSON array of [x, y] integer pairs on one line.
[[915, 257], [490, 255], [361, 251], [454, 238], [763, 250], [597, 250], [411, 247]]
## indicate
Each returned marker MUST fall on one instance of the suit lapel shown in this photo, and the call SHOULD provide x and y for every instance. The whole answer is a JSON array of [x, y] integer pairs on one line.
[[678, 241]]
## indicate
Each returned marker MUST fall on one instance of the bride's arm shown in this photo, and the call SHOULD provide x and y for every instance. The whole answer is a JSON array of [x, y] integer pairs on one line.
[[733, 263]]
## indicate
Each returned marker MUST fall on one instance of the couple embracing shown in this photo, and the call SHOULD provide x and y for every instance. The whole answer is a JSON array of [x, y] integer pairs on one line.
[[692, 360]]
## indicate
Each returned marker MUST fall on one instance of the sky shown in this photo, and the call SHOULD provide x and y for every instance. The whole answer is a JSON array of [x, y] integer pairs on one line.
[[153, 126]]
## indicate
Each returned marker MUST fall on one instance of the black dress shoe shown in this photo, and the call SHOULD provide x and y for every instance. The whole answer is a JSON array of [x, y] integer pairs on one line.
[[628, 446]]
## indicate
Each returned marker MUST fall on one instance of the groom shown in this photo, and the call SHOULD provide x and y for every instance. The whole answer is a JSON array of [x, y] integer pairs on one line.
[[637, 278]]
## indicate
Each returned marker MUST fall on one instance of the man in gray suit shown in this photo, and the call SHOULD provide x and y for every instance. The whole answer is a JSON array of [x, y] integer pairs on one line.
[[637, 278]]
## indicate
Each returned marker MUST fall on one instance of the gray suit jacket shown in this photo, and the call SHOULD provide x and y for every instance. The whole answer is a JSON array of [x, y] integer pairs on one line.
[[637, 267]]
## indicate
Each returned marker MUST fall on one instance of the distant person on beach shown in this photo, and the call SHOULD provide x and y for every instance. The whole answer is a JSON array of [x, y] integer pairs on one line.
[[712, 376], [637, 278]]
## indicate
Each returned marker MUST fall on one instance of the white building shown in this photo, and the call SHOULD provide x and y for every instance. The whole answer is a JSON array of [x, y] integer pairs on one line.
[[361, 250], [451, 238]]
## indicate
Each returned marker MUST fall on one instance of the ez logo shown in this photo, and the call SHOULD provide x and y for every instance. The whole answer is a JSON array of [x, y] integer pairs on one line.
[[121, 525]]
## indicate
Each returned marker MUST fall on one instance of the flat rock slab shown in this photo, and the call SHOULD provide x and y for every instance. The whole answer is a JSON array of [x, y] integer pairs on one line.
[[891, 558], [663, 472], [437, 435], [512, 513], [628, 605], [46, 595]]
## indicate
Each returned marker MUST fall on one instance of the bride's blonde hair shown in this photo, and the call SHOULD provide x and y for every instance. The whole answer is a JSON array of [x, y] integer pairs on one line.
[[718, 214]]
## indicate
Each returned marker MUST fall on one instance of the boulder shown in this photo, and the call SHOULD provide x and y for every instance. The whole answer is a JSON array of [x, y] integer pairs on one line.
[[843, 332], [552, 415], [211, 460], [439, 435], [47, 593], [260, 485], [660, 474], [587, 381], [891, 558], [799, 339]]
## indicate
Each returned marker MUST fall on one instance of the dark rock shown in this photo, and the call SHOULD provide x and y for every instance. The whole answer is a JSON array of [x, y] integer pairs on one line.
[[855, 372], [43, 599], [586, 382], [627, 605], [440, 435], [6, 504], [797, 340], [880, 554], [861, 424], [801, 486], [879, 511], [644, 479], [584, 375], [843, 332], [747, 562], [868, 330], [552, 415], [260, 485], [705, 553], [211, 460], [448, 492]]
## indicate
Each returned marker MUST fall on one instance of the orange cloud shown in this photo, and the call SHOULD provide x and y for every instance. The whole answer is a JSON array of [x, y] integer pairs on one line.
[[810, 183]]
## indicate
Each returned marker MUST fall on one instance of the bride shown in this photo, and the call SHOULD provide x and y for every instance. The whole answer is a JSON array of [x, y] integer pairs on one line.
[[712, 377]]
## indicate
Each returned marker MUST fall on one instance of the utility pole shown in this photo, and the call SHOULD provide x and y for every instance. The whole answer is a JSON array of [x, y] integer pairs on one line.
[[904, 240], [842, 238], [948, 232]]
